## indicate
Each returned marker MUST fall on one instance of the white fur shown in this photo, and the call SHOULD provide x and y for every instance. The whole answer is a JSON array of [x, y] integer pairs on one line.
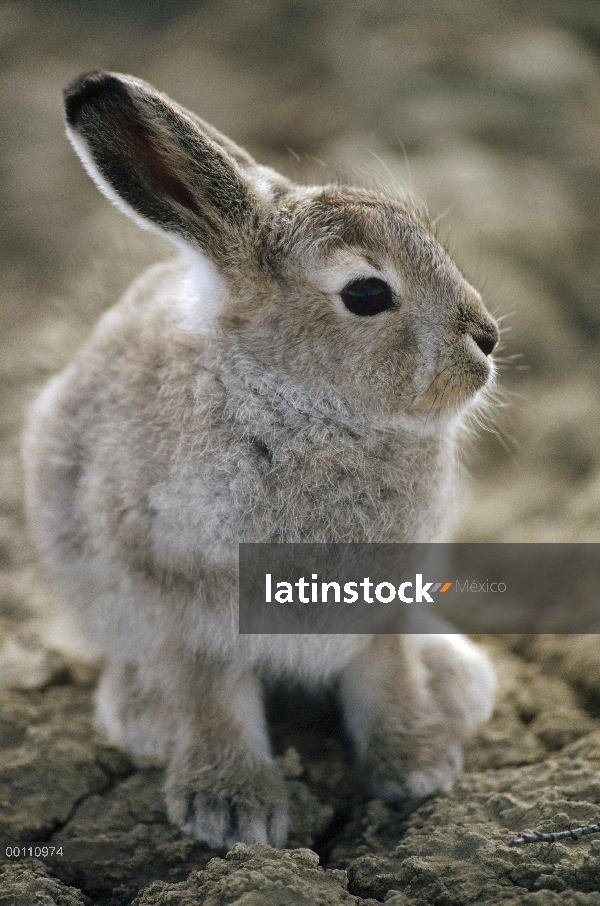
[[203, 288], [345, 266]]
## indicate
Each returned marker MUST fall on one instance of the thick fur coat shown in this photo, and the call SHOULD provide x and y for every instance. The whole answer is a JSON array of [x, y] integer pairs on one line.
[[247, 392]]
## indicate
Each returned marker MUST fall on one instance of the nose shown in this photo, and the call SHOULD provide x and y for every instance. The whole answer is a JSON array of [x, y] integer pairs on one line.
[[486, 336], [478, 323]]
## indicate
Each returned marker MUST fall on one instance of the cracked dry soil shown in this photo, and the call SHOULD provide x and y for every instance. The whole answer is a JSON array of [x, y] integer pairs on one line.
[[490, 112], [536, 764]]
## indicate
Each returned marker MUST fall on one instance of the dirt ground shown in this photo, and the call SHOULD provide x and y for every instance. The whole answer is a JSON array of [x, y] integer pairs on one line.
[[488, 114]]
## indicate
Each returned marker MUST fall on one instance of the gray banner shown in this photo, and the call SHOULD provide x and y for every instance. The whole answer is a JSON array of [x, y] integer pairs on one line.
[[380, 588]]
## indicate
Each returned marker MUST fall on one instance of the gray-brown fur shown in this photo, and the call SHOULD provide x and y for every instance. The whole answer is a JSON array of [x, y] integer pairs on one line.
[[231, 397]]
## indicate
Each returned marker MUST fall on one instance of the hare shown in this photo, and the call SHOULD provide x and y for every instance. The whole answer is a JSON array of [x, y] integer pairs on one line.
[[302, 371]]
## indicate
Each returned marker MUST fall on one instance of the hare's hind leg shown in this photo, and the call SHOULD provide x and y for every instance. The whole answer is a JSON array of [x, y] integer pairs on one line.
[[409, 703], [133, 715], [461, 679]]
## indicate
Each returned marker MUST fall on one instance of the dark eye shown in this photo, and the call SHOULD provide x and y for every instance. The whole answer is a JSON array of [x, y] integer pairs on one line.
[[367, 297]]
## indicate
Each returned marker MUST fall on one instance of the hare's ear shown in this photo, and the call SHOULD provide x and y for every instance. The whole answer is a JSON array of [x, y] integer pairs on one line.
[[162, 165]]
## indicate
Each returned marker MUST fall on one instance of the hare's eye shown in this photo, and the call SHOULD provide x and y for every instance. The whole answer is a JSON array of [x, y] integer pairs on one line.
[[367, 297]]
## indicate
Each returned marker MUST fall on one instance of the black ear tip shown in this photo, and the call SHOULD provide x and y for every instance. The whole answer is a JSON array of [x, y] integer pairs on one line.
[[85, 88]]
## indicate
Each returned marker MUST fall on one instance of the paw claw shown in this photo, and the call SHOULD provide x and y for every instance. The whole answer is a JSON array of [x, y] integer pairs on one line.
[[250, 816]]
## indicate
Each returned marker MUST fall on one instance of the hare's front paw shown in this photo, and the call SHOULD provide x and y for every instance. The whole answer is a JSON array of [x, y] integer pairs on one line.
[[246, 809]]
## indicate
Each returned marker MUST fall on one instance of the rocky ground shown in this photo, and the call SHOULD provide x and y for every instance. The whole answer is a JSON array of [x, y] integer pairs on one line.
[[491, 114]]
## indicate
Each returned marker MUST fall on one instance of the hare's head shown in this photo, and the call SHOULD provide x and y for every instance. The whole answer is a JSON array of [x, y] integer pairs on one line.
[[326, 291]]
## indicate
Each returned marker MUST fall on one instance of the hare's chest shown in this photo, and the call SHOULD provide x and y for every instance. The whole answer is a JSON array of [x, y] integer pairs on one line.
[[269, 488]]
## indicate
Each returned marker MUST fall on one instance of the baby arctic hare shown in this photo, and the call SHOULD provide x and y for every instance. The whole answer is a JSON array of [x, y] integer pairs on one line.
[[300, 373]]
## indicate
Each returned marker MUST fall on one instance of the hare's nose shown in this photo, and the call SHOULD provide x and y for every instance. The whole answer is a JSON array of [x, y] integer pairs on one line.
[[486, 336]]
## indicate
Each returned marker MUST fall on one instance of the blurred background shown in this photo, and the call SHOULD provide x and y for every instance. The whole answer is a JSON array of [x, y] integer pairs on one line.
[[487, 114]]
